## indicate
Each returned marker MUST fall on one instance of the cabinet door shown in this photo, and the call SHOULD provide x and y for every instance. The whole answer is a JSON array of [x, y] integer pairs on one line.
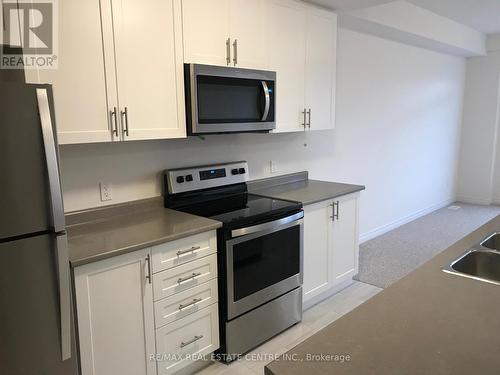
[[205, 27], [345, 239], [149, 68], [321, 68], [317, 253], [79, 82], [286, 50], [248, 30], [115, 316]]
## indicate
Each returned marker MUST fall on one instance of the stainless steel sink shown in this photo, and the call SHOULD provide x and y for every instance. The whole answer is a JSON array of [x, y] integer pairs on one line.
[[482, 265], [492, 242]]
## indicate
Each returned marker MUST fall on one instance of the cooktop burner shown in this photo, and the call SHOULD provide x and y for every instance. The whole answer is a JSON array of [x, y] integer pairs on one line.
[[220, 193], [241, 208]]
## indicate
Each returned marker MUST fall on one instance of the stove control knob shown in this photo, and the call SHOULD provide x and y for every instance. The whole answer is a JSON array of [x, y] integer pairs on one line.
[[180, 179], [234, 171], [242, 171], [189, 177]]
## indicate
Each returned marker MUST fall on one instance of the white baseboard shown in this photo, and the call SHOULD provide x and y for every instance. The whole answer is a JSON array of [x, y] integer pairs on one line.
[[404, 220], [474, 200]]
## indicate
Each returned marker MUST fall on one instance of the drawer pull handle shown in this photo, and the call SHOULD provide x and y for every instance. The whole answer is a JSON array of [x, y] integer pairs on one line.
[[192, 303], [192, 250], [194, 339], [182, 279]]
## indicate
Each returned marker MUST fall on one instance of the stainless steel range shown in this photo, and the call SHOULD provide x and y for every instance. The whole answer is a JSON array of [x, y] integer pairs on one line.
[[260, 250]]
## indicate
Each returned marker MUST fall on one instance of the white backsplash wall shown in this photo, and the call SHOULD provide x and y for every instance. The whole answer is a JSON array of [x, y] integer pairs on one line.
[[399, 110]]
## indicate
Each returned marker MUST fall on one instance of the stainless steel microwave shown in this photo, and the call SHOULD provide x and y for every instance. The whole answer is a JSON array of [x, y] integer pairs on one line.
[[229, 100]]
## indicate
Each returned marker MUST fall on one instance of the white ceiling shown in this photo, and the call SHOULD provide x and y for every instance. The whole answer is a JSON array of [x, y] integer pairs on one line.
[[482, 15]]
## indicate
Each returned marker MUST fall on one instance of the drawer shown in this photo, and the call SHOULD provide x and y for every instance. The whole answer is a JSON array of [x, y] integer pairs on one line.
[[186, 276], [178, 252], [185, 303], [193, 336]]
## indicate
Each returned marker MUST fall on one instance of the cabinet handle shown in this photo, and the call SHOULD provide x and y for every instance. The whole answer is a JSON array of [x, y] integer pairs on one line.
[[114, 121], [125, 114], [309, 123], [228, 51], [194, 339], [304, 124], [148, 276], [235, 50], [182, 279], [193, 249], [335, 211], [193, 302]]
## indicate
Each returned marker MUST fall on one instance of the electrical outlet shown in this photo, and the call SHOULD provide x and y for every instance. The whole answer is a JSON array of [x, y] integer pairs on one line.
[[273, 166], [106, 191]]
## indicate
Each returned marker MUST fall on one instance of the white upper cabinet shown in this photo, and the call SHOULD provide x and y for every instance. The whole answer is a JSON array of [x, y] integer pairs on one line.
[[205, 26], [149, 69], [79, 82], [225, 32], [302, 50], [248, 34], [120, 73], [321, 69], [286, 51]]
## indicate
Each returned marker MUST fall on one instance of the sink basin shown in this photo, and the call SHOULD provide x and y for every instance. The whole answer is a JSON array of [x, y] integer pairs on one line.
[[482, 265], [492, 242]]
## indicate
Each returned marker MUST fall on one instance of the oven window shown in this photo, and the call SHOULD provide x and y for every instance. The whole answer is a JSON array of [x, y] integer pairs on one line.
[[229, 100], [264, 261]]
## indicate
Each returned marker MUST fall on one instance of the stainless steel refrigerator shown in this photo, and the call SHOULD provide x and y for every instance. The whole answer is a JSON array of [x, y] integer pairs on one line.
[[37, 331]]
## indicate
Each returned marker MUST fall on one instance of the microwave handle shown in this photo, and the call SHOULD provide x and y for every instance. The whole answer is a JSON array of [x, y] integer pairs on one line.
[[268, 100]]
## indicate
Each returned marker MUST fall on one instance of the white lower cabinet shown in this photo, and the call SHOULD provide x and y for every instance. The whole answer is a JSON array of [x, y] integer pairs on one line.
[[184, 250], [331, 244], [317, 249], [179, 343], [185, 303], [184, 277], [345, 240], [115, 316], [133, 321]]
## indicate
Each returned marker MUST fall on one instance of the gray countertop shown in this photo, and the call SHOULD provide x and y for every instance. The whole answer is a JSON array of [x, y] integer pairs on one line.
[[429, 322], [101, 233], [98, 234], [297, 187]]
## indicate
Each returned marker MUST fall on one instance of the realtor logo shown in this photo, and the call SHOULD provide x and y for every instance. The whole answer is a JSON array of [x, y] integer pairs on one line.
[[32, 26]]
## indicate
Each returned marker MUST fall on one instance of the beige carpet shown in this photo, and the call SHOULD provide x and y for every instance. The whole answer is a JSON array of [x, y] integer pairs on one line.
[[387, 258]]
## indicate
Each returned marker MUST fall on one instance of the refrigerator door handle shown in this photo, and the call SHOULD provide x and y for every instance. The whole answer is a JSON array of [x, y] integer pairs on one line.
[[64, 294], [52, 162]]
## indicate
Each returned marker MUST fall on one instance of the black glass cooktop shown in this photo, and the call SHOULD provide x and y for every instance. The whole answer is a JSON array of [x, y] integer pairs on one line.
[[241, 209]]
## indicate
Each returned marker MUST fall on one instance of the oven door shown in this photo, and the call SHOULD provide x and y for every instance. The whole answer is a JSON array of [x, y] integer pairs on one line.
[[231, 100], [263, 262]]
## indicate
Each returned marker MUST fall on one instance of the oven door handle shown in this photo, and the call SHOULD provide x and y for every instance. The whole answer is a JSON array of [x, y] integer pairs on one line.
[[267, 226], [268, 100]]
